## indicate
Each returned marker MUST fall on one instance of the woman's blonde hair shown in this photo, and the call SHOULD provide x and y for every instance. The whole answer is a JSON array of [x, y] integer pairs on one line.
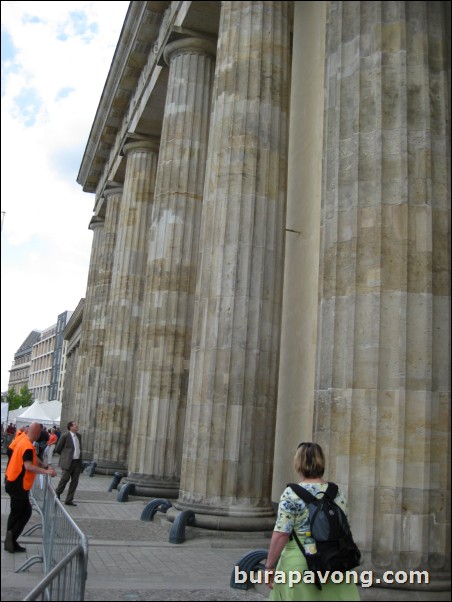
[[309, 460]]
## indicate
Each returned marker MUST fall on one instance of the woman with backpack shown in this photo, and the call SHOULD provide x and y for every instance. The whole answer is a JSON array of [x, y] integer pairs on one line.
[[294, 517]]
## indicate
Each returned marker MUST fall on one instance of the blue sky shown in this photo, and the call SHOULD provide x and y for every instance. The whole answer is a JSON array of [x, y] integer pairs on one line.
[[55, 60]]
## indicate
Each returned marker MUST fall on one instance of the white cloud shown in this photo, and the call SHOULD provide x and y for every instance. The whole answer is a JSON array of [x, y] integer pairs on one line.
[[54, 66]]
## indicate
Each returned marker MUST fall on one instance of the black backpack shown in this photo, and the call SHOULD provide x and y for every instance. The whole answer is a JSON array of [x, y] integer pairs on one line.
[[336, 550]]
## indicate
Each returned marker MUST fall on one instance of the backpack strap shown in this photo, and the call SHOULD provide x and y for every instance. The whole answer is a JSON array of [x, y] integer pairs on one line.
[[295, 536], [309, 498], [331, 491], [311, 568], [306, 496], [303, 493]]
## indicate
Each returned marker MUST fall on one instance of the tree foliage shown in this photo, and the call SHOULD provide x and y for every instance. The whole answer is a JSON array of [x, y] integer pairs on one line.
[[24, 398]]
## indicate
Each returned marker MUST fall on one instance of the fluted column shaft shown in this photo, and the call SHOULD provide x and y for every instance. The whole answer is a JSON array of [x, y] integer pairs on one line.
[[71, 409], [113, 412], [164, 357], [67, 406], [91, 352], [228, 443], [382, 404]]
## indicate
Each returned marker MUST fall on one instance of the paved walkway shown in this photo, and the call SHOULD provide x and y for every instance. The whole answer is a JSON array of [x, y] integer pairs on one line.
[[132, 560]]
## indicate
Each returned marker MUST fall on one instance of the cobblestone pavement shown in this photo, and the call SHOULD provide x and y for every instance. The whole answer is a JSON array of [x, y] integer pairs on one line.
[[130, 559], [133, 560]]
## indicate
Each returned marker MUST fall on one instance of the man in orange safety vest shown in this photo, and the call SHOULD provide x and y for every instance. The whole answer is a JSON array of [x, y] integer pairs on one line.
[[20, 473]]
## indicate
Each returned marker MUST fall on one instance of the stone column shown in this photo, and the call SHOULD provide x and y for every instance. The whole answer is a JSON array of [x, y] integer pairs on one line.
[[90, 356], [123, 329], [67, 407], [164, 357], [229, 436], [72, 409], [382, 400], [297, 362]]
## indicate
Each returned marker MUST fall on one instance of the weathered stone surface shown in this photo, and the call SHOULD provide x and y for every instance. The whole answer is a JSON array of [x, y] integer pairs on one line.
[[228, 443], [122, 331], [378, 371], [172, 262], [365, 364]]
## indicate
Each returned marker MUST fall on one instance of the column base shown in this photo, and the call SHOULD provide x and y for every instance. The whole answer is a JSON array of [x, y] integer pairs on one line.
[[109, 467], [148, 486], [231, 519]]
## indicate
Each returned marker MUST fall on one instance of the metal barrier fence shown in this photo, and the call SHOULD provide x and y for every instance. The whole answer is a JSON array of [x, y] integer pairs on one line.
[[64, 548], [6, 441]]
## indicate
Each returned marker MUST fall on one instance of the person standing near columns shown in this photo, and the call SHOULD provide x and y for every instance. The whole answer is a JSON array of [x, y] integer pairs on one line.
[[51, 446], [69, 447], [293, 516], [20, 473]]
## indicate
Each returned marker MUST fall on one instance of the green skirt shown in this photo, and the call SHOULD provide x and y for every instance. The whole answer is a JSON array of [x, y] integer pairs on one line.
[[293, 560]]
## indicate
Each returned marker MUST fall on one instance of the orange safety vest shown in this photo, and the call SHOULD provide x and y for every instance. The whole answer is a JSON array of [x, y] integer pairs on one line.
[[16, 462], [13, 443]]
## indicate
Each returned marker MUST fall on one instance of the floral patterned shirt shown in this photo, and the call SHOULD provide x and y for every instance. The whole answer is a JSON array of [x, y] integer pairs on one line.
[[293, 511]]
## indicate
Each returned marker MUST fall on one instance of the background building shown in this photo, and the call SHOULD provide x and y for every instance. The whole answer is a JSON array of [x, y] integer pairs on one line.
[[41, 365], [39, 361], [71, 338], [20, 369], [58, 358]]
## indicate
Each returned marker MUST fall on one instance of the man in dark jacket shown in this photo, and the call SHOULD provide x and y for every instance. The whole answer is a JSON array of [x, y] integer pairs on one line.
[[69, 446]]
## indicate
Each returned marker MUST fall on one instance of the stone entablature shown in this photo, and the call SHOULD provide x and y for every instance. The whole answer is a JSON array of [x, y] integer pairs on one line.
[[123, 114], [71, 332]]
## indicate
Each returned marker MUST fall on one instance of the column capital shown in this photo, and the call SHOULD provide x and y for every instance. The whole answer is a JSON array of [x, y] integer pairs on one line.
[[112, 192], [96, 222], [189, 45], [150, 145]]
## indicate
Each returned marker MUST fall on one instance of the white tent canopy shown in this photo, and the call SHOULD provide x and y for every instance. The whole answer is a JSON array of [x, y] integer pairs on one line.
[[53, 410], [35, 413], [5, 408], [12, 415]]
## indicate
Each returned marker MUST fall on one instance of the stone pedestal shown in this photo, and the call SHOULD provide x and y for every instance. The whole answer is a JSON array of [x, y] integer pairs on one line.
[[164, 357], [229, 435], [123, 326]]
